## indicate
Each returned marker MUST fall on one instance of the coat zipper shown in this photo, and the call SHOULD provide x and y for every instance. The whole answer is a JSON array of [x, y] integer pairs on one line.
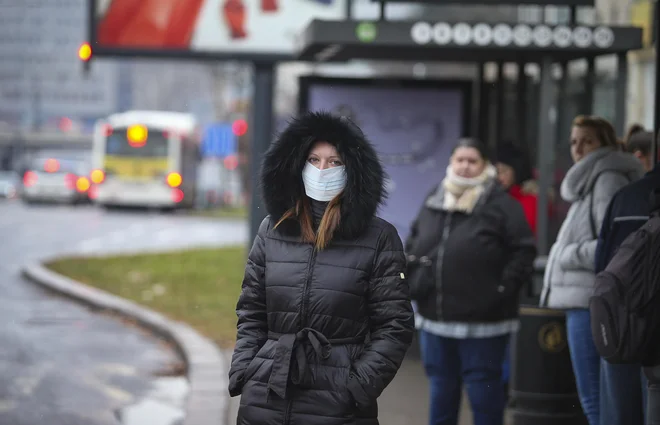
[[305, 294], [287, 412], [438, 265], [303, 318]]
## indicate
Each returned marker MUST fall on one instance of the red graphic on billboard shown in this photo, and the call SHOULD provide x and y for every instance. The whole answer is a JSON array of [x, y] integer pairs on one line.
[[149, 23], [235, 15], [269, 5], [241, 26]]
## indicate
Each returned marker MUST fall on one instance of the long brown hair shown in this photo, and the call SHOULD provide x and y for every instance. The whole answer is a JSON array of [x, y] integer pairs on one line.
[[603, 129], [302, 212]]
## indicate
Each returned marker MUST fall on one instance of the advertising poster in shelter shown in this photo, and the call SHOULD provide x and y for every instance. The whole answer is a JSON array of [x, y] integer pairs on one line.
[[413, 130]]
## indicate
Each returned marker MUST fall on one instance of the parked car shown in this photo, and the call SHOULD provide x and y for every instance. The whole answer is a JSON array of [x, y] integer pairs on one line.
[[9, 184]]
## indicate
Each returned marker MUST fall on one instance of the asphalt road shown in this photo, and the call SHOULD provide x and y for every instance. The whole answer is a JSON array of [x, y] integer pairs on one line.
[[61, 364]]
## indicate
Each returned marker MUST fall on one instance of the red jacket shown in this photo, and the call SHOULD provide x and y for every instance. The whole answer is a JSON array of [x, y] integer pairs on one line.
[[528, 200]]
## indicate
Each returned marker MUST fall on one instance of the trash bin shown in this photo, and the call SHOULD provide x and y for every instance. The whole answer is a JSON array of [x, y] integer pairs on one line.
[[542, 385], [653, 397]]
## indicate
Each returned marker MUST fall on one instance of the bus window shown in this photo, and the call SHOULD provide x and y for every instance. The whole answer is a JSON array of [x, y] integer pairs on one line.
[[117, 145]]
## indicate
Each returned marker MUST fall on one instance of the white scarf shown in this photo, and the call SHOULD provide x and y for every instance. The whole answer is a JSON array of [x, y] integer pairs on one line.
[[462, 193]]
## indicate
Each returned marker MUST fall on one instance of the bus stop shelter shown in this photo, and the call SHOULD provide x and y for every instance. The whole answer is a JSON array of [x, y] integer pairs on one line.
[[479, 43]]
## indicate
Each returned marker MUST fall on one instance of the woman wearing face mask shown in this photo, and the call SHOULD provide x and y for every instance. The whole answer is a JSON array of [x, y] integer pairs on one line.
[[324, 316], [600, 169], [470, 250]]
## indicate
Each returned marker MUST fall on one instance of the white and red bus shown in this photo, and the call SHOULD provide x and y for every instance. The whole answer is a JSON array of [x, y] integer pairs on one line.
[[145, 159]]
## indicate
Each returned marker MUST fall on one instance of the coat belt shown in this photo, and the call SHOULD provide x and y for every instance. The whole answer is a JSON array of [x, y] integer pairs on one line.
[[295, 352]]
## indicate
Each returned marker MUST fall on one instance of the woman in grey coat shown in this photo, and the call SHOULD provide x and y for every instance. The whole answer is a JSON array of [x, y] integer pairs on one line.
[[599, 171]]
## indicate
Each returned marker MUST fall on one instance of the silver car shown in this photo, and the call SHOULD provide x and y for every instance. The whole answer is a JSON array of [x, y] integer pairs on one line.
[[9, 184], [56, 180]]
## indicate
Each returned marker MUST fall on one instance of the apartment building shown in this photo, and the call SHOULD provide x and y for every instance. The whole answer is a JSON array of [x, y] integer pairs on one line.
[[41, 78]]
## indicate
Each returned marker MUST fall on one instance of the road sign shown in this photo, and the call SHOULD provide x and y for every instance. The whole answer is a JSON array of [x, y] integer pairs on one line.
[[219, 141]]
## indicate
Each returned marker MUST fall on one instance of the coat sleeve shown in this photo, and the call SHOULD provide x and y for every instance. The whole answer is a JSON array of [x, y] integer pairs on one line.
[[252, 328], [519, 268], [391, 319], [582, 255]]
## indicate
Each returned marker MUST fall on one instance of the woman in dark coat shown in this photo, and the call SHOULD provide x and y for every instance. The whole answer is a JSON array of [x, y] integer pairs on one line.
[[324, 316], [470, 251]]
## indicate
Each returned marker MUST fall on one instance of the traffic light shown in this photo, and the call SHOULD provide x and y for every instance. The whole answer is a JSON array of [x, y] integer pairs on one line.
[[85, 55], [239, 127]]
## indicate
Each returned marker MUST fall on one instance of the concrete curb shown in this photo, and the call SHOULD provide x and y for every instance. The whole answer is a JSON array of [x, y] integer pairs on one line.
[[208, 401]]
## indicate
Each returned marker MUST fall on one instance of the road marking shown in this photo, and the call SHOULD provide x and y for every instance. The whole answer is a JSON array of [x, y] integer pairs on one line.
[[118, 369], [110, 391], [7, 405]]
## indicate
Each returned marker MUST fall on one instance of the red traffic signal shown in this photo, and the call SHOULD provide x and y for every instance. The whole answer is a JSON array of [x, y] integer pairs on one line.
[[239, 127], [231, 162], [85, 52]]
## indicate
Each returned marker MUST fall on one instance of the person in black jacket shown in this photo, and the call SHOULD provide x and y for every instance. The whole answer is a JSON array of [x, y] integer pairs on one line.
[[623, 386], [324, 316], [470, 251]]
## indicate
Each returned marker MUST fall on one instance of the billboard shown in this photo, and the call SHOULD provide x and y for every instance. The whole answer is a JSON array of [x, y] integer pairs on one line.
[[413, 126], [211, 27], [499, 2]]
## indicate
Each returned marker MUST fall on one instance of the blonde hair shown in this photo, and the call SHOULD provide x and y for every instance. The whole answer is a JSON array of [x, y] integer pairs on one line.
[[603, 129], [302, 212]]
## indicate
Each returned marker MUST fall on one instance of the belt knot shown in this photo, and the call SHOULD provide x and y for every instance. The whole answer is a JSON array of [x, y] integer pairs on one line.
[[293, 354]]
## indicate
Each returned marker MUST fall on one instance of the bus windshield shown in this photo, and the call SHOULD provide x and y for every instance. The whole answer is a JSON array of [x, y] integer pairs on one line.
[[117, 144]]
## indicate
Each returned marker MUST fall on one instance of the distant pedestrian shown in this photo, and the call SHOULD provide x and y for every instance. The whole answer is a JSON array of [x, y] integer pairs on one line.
[[324, 316], [632, 130], [623, 386], [640, 145], [600, 169], [514, 173], [470, 250]]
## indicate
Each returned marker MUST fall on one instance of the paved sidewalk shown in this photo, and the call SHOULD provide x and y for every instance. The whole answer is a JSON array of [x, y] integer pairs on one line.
[[404, 402]]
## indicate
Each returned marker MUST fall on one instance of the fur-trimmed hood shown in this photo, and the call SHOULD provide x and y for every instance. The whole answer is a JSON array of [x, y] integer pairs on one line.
[[283, 163]]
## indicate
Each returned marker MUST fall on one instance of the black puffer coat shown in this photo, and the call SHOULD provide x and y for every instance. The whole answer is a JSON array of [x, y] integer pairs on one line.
[[320, 333], [477, 262]]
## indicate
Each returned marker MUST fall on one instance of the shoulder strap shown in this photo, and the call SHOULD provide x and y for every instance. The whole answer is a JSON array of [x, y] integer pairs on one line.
[[592, 220]]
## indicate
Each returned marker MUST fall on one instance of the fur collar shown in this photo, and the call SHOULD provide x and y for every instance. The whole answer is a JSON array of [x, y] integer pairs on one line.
[[281, 171]]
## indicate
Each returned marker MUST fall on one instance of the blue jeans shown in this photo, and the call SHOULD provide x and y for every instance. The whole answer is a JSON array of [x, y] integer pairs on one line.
[[506, 366], [622, 394], [586, 362], [477, 362]]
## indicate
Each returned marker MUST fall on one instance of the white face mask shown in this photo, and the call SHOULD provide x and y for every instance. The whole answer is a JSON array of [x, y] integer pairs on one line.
[[323, 185]]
